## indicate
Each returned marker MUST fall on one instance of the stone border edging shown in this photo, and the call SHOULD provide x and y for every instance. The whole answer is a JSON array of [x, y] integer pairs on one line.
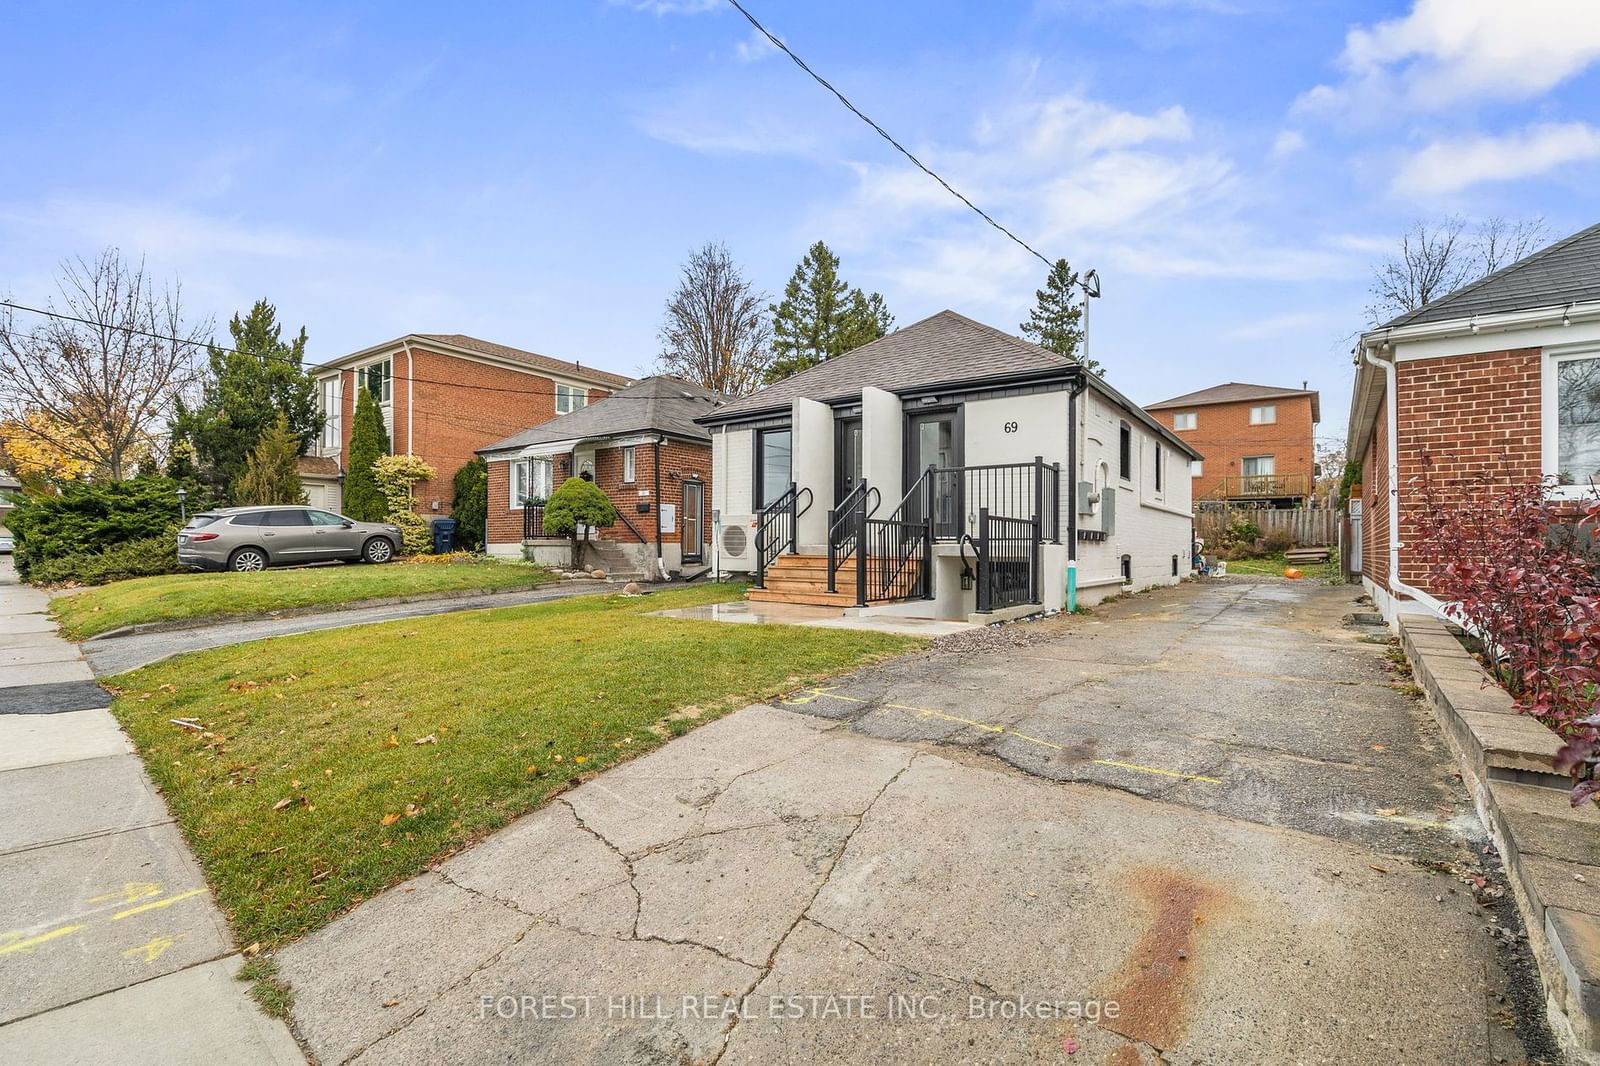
[[203, 620], [1550, 849]]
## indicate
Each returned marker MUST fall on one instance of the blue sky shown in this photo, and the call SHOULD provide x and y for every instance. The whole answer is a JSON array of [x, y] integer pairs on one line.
[[535, 174]]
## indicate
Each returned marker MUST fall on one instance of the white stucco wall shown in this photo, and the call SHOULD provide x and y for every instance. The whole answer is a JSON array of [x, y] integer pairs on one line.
[[731, 487], [812, 425], [882, 436]]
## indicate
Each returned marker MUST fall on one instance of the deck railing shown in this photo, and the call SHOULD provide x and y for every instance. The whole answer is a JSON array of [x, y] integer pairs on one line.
[[952, 496], [775, 528], [1261, 486]]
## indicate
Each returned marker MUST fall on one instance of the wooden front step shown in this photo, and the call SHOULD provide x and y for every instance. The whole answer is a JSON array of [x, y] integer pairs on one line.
[[804, 579]]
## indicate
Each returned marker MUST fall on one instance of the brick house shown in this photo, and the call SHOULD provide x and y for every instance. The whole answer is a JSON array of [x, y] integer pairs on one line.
[[641, 446], [1257, 441], [443, 396], [1497, 382]]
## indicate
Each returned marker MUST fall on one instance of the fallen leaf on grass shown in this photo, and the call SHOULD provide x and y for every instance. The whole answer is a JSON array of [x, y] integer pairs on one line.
[[392, 742], [429, 739], [281, 804], [390, 819], [253, 948]]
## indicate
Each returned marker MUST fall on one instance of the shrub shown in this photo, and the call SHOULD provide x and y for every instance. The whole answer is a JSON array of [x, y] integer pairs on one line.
[[1276, 543], [1499, 561], [1241, 532], [394, 475], [90, 517], [574, 508], [145, 557], [470, 507], [369, 442], [271, 471]]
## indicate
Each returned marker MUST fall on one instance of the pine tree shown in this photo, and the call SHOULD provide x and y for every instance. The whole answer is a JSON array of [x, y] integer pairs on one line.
[[1056, 319], [369, 442], [244, 392], [270, 474], [821, 316]]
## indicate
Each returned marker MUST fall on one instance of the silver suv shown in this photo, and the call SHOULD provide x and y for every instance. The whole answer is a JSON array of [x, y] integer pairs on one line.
[[253, 538]]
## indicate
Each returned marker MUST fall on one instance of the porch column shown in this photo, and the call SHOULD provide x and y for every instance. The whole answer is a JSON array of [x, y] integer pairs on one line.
[[811, 427], [882, 435]]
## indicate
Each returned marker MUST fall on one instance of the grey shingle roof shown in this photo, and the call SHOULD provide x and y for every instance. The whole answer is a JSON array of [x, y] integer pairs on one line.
[[1568, 271], [1238, 392], [654, 405], [941, 348]]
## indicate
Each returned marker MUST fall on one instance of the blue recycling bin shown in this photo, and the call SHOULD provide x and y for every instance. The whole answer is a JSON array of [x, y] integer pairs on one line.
[[444, 535]]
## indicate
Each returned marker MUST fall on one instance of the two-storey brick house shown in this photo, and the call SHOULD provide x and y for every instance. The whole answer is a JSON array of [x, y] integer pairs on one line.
[[1258, 441], [443, 396]]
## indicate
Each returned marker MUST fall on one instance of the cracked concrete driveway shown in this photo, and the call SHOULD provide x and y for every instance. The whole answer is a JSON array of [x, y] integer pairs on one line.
[[1202, 825]]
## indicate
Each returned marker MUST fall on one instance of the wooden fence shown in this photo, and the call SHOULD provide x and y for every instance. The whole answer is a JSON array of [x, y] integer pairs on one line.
[[1308, 527]]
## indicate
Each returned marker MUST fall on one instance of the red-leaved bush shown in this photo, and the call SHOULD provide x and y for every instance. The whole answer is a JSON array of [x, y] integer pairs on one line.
[[1511, 566]]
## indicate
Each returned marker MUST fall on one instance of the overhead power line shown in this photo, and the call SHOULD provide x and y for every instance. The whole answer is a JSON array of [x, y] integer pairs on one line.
[[919, 164]]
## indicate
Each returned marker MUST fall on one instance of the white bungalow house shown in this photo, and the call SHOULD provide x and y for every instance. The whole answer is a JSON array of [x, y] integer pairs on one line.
[[985, 475]]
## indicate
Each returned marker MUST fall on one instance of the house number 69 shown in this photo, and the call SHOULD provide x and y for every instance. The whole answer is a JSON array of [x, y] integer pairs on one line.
[[1011, 427]]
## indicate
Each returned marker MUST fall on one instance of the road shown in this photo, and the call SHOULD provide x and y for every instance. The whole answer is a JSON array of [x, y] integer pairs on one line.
[[1208, 824]]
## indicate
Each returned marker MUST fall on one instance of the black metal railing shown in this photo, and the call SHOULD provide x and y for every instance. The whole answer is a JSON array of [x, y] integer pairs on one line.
[[897, 562], [1008, 560], [844, 527], [951, 497], [631, 527], [775, 528], [532, 521]]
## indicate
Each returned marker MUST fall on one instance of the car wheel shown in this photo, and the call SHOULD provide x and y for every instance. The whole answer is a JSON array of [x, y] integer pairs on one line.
[[247, 561], [378, 550]]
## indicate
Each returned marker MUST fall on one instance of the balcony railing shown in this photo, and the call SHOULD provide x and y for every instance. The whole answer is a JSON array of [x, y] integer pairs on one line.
[[1261, 486]]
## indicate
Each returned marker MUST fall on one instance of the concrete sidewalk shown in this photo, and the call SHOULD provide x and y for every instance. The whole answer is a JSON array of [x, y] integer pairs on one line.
[[111, 949]]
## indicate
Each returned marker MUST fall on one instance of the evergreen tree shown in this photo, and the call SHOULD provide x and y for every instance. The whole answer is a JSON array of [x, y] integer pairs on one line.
[[242, 395], [369, 442], [270, 474], [821, 316], [1057, 316], [470, 508]]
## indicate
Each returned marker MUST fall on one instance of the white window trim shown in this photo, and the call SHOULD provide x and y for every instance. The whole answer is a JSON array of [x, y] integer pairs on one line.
[[1264, 407], [630, 467], [1197, 468], [1192, 416], [1550, 418], [517, 466], [1160, 483], [1273, 459], [576, 392]]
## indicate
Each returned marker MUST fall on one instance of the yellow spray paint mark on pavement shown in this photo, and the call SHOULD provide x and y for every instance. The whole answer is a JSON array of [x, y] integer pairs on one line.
[[812, 694], [169, 901], [154, 949], [130, 892], [32, 942]]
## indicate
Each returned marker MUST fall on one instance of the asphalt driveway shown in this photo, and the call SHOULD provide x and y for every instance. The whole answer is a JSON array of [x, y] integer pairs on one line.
[[1203, 825]]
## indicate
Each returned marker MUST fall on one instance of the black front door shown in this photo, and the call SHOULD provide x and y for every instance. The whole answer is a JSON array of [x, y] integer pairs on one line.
[[936, 441], [694, 516], [846, 457]]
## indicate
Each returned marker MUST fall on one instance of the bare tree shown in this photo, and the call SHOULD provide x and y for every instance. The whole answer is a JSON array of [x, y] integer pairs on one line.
[[104, 375], [1437, 258], [716, 332]]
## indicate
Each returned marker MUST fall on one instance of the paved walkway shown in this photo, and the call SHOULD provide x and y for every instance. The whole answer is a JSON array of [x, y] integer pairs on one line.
[[1199, 826], [111, 949], [116, 654]]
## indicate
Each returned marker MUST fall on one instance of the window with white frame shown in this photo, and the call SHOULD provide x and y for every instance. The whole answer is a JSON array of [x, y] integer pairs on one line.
[[1264, 415], [1572, 420], [1197, 468], [328, 403], [1258, 465], [628, 467], [378, 378], [530, 481], [569, 398], [1184, 420]]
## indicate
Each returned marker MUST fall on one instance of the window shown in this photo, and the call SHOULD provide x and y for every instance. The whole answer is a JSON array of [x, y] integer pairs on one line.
[[254, 518], [378, 378], [1161, 462], [774, 466], [1577, 421], [628, 468], [326, 518], [569, 398], [286, 518], [1197, 468], [1257, 466], [1265, 415], [1125, 452], [328, 402], [530, 482], [1183, 420]]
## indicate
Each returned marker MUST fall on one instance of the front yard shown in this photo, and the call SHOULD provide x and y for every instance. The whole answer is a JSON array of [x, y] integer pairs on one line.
[[1274, 566], [186, 596], [329, 765]]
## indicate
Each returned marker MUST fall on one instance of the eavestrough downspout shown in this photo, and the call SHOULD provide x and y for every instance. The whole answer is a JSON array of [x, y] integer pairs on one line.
[[661, 566], [1075, 390], [411, 399], [1391, 403]]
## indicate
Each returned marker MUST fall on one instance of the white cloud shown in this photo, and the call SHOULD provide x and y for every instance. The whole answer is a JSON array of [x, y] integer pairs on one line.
[[167, 232], [1447, 51], [1288, 143], [755, 47], [670, 7], [1451, 165], [1275, 325]]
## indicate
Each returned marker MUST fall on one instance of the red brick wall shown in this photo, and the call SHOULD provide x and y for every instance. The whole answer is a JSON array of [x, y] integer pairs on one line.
[[1375, 503], [680, 461], [1224, 435], [1474, 417], [456, 407]]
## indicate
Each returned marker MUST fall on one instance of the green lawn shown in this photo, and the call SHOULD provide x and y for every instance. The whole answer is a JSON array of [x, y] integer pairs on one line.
[[517, 701], [1274, 565], [180, 596]]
